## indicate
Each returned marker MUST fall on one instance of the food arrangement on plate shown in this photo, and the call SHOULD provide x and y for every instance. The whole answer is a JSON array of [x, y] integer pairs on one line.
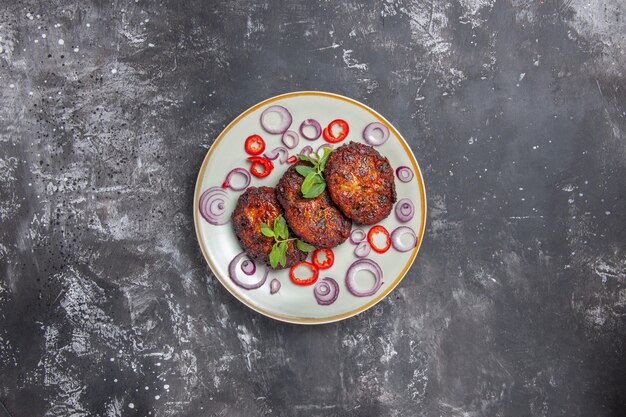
[[326, 197]]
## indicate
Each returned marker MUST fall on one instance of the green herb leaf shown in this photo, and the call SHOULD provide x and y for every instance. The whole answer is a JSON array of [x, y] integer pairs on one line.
[[315, 189], [307, 158], [304, 247], [324, 159], [311, 179], [280, 228], [304, 170], [266, 230], [274, 256], [282, 250]]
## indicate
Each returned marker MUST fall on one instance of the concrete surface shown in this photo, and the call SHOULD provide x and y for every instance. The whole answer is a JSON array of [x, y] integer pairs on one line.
[[515, 306]]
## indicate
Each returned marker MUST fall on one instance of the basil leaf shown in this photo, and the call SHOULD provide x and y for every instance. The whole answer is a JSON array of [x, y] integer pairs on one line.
[[304, 247], [282, 249], [266, 230], [280, 228], [274, 256], [315, 190], [327, 152], [307, 158], [304, 170], [310, 179], [319, 180]]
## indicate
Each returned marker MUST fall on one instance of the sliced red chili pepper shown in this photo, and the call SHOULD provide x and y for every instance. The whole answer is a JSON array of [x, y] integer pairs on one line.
[[326, 263], [259, 161], [292, 159], [304, 281], [330, 136], [255, 145], [370, 238]]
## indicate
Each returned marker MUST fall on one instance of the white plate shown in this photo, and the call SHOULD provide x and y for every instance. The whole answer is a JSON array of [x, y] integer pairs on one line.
[[294, 303]]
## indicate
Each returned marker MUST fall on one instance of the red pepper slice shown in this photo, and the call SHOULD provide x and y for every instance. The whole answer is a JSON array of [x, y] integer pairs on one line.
[[292, 159], [330, 136], [304, 281], [255, 145], [257, 163], [370, 238], [326, 263]]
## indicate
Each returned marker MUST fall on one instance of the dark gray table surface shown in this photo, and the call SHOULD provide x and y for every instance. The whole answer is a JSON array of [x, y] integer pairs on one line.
[[515, 306]]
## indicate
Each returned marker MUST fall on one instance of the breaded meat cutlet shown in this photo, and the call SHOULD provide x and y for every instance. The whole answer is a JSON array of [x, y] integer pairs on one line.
[[316, 221], [360, 182], [256, 206]]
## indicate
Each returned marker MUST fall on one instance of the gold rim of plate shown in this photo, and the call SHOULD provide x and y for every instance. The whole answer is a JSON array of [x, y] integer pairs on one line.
[[311, 320]]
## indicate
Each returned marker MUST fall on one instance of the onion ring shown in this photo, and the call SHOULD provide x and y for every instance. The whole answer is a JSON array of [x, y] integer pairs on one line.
[[281, 152], [357, 236], [248, 267], [232, 273], [241, 171], [396, 239], [307, 150], [359, 265], [290, 134], [315, 124], [326, 291], [274, 286], [213, 206], [405, 210], [320, 151], [368, 134], [285, 119], [362, 249], [404, 173]]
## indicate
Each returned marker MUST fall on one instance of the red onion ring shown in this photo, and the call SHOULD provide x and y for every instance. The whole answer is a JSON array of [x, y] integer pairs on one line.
[[357, 236], [404, 173], [405, 210], [248, 267], [368, 134], [295, 139], [315, 124], [285, 119], [359, 265], [213, 206], [232, 273], [362, 249], [326, 291], [241, 171], [281, 152], [274, 286], [307, 150], [396, 239], [320, 151], [272, 155]]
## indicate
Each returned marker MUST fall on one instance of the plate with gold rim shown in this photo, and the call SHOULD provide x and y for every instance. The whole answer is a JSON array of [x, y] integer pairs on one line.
[[296, 303]]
